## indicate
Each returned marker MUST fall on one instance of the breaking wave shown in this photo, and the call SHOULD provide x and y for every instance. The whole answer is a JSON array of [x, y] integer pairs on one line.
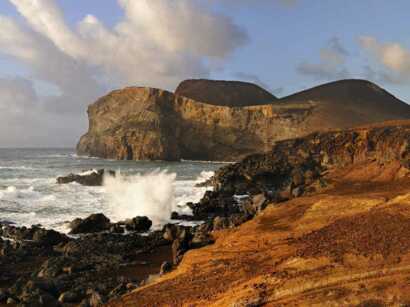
[[151, 194], [156, 195]]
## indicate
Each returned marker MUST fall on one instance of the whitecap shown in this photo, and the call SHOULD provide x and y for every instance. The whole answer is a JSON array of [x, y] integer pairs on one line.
[[11, 168], [204, 176], [11, 189], [90, 172], [208, 162], [151, 194]]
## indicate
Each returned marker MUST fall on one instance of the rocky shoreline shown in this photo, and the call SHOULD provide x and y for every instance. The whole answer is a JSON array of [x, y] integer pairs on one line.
[[104, 260], [100, 261]]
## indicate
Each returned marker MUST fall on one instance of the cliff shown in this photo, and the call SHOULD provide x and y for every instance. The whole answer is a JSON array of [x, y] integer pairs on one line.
[[345, 244], [296, 166], [152, 124]]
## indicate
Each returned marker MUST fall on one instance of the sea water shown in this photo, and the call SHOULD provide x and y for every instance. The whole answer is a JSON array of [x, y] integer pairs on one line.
[[29, 194]]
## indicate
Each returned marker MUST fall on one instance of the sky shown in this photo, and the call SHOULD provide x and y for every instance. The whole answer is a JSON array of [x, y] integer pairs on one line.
[[59, 56]]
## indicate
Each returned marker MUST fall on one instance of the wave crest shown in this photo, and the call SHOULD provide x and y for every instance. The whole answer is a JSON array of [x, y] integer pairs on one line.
[[151, 194]]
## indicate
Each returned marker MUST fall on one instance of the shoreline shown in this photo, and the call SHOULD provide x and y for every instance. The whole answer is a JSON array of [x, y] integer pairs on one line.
[[104, 266]]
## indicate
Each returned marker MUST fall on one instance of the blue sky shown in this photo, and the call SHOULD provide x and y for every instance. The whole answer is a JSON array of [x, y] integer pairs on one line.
[[55, 61]]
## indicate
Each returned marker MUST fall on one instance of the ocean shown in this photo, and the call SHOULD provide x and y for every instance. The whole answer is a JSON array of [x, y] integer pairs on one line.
[[29, 194]]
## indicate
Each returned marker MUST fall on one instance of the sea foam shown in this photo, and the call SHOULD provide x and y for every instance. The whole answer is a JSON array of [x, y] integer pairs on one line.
[[151, 194]]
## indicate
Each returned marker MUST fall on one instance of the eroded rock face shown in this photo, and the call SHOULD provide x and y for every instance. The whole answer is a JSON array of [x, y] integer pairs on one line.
[[295, 166], [151, 124]]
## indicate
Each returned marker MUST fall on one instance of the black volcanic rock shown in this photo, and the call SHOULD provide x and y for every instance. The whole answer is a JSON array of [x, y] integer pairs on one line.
[[94, 223], [90, 178], [294, 166], [138, 224]]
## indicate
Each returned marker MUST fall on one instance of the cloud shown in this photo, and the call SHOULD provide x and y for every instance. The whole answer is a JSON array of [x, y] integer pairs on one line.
[[25, 121], [331, 65], [157, 43], [393, 58]]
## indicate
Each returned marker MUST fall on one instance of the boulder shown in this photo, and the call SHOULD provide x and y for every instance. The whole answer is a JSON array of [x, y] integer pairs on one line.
[[45, 237], [214, 204], [254, 205], [49, 237], [89, 178], [181, 243], [53, 267], [173, 232], [202, 236], [138, 224], [94, 223]]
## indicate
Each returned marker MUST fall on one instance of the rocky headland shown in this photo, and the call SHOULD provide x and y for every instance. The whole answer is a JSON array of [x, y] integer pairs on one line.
[[225, 120], [321, 219]]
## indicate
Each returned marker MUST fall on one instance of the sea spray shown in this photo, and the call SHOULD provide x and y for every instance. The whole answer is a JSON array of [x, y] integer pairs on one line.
[[30, 197], [204, 176], [151, 194]]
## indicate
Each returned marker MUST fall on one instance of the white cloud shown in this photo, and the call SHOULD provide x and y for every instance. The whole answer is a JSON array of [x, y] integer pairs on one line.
[[158, 43], [393, 58], [331, 64], [47, 19], [25, 121]]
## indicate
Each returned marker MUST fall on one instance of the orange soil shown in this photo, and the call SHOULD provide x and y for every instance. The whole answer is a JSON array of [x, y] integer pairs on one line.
[[347, 246]]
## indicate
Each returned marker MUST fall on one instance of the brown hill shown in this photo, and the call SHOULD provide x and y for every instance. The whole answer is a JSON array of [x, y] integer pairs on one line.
[[346, 244], [151, 124], [224, 93], [351, 102]]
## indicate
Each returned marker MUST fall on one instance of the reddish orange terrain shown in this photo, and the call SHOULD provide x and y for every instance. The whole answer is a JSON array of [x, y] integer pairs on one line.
[[346, 245]]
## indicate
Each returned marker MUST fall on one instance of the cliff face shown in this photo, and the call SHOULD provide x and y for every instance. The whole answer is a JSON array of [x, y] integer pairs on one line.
[[152, 124], [132, 124], [296, 166]]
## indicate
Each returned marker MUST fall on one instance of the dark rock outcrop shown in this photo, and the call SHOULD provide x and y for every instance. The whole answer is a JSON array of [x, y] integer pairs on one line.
[[224, 93], [296, 166], [151, 124], [94, 223], [90, 178], [37, 235], [40, 270], [300, 166], [138, 224]]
